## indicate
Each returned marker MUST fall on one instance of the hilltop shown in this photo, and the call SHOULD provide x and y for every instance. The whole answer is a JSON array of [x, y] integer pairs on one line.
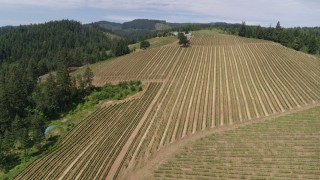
[[45, 46], [219, 81]]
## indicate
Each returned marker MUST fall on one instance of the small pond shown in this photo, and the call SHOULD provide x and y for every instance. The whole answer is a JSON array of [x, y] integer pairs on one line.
[[49, 129]]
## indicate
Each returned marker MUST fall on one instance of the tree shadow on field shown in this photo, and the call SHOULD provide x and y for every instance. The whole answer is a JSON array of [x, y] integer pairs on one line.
[[9, 162], [50, 143]]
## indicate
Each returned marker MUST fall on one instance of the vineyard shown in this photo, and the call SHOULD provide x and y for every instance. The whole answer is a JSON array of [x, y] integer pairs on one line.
[[219, 81], [207, 38], [254, 151], [153, 64], [90, 149], [226, 85]]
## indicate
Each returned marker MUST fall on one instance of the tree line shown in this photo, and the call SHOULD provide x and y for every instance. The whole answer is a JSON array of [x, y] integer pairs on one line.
[[27, 106], [27, 52], [300, 39], [131, 36], [305, 39], [58, 42]]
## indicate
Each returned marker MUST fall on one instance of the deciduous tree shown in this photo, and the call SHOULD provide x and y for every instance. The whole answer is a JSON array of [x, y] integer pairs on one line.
[[183, 40], [144, 44]]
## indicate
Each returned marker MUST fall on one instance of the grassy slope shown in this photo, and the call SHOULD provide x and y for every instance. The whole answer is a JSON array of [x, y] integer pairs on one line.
[[156, 42], [286, 147]]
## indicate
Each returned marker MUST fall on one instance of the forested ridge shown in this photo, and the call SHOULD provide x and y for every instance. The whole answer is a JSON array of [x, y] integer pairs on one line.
[[26, 52], [131, 31], [27, 107], [305, 39], [142, 24], [57, 42]]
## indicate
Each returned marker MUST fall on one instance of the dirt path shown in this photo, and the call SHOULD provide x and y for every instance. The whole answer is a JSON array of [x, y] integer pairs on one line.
[[189, 75], [230, 120], [185, 127], [246, 80], [214, 89], [165, 133], [147, 65], [260, 74], [241, 85], [182, 99], [234, 85], [205, 111], [277, 79], [199, 95], [116, 165], [75, 161], [170, 150], [249, 58]]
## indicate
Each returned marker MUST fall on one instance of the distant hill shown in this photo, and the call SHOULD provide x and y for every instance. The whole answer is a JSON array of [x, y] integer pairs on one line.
[[108, 25], [142, 24], [140, 29], [150, 24], [132, 31], [48, 44], [137, 24]]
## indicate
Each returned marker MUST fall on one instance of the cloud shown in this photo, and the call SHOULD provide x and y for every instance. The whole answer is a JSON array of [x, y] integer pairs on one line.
[[120, 18], [264, 12]]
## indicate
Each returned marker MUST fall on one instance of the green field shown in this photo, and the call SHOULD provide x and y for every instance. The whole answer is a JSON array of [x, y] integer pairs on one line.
[[283, 148]]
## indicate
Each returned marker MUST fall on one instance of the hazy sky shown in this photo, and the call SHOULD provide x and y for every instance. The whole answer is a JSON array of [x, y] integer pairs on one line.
[[265, 12]]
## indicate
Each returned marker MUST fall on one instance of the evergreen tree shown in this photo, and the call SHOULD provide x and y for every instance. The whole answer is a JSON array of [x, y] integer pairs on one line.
[[4, 114], [312, 47], [46, 97], [38, 126], [80, 82], [297, 43], [259, 33], [2, 156], [16, 125], [249, 32], [121, 48], [6, 144], [64, 86], [16, 92], [277, 33], [88, 78], [269, 32], [243, 29]]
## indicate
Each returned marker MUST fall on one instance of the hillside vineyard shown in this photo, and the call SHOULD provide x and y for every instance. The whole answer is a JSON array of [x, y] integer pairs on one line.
[[253, 151], [219, 81]]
